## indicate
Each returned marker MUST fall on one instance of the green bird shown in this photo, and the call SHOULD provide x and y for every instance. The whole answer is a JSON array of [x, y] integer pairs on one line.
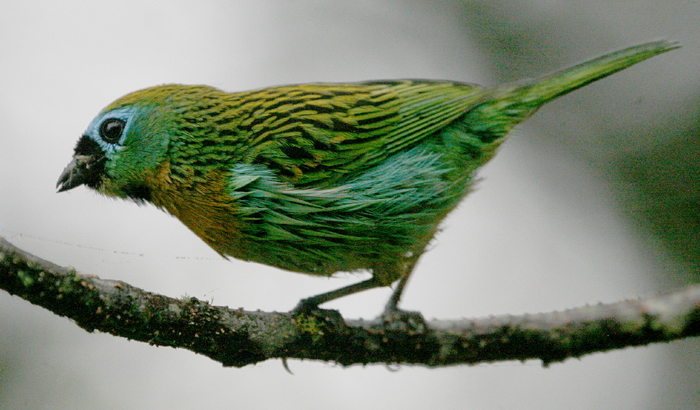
[[316, 178]]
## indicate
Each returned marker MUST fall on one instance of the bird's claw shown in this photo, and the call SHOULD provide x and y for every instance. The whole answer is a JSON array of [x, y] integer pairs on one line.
[[396, 319], [307, 307]]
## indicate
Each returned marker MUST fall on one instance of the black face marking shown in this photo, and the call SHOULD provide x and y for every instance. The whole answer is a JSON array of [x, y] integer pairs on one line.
[[87, 147], [93, 169], [111, 130]]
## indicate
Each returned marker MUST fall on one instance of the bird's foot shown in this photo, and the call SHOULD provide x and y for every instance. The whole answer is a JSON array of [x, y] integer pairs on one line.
[[408, 321], [305, 306], [309, 307]]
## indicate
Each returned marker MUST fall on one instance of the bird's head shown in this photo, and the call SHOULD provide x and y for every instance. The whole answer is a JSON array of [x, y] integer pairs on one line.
[[123, 147]]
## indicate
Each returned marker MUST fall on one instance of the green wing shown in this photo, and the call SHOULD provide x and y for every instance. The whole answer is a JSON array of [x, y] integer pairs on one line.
[[316, 134]]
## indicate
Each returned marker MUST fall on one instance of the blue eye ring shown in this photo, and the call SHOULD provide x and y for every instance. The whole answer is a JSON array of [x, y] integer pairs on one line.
[[111, 130]]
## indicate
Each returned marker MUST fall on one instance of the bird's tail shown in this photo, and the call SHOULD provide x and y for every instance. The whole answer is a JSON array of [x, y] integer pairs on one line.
[[544, 89], [513, 103]]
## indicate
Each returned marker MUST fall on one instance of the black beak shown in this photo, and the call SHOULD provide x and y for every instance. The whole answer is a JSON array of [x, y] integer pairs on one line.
[[86, 168], [74, 173]]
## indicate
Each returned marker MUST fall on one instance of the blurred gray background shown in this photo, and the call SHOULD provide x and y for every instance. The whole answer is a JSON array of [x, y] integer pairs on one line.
[[595, 199]]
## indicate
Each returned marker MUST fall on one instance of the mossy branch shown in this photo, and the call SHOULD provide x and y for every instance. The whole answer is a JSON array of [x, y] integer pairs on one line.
[[239, 337]]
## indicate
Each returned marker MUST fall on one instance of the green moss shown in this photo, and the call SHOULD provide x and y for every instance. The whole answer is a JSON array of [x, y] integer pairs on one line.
[[26, 278], [309, 325]]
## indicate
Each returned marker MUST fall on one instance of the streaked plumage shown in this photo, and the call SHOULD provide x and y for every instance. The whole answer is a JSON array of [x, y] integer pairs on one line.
[[315, 178]]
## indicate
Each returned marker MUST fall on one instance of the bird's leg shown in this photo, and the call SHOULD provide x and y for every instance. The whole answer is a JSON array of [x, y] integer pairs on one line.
[[409, 264], [313, 302], [391, 311], [402, 320], [393, 303]]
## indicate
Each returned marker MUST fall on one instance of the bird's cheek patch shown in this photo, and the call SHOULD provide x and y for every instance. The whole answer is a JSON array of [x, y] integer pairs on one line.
[[111, 170]]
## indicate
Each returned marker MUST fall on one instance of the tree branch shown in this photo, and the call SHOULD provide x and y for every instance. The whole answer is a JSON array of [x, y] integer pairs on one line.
[[239, 337]]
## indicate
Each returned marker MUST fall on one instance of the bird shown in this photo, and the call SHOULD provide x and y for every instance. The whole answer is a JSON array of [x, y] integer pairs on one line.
[[316, 178]]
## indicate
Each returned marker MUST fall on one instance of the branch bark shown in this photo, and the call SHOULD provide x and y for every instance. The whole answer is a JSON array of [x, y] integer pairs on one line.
[[239, 337]]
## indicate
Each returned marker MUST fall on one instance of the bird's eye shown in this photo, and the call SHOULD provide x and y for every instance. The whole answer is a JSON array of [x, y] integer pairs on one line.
[[111, 130]]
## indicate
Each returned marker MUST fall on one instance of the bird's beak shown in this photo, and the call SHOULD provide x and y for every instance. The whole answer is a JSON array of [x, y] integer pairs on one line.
[[74, 174]]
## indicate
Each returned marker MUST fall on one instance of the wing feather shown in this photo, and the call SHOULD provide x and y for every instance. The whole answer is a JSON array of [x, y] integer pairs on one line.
[[315, 135]]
